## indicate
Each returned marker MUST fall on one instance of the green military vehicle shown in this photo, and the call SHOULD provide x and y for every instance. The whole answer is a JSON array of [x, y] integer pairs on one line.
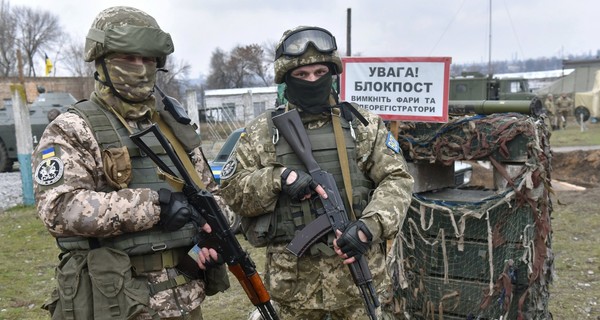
[[476, 86], [473, 92], [47, 106]]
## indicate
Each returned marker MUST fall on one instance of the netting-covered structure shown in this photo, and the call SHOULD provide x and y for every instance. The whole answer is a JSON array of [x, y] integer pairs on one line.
[[477, 252]]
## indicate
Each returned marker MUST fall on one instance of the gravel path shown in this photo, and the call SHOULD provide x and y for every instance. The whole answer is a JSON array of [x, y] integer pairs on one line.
[[11, 193]]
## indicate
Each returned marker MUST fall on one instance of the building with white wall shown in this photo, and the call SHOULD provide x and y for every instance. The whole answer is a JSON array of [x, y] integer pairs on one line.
[[237, 105]]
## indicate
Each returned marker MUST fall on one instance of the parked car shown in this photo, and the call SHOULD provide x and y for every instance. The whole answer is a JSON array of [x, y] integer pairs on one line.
[[216, 165], [224, 153]]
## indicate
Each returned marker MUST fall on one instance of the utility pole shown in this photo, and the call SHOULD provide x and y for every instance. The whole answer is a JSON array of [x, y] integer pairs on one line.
[[490, 44], [349, 32], [23, 133]]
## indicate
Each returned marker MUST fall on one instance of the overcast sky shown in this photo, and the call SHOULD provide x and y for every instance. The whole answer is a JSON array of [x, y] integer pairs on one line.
[[459, 29]]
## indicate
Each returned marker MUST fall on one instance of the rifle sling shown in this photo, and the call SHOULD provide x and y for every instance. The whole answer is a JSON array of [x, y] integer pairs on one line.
[[175, 182], [183, 156], [343, 155]]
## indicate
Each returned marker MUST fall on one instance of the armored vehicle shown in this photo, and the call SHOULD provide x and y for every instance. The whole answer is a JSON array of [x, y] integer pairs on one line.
[[47, 106], [476, 86]]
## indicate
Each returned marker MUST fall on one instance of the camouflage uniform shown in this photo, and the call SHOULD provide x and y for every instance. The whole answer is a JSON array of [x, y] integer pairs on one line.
[[313, 286], [72, 197], [551, 110], [564, 107]]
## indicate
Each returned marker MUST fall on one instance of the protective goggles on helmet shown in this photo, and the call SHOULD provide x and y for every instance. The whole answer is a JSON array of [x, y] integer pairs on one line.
[[296, 43]]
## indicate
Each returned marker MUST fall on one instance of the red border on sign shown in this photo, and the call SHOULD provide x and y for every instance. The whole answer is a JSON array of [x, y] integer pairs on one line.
[[445, 60]]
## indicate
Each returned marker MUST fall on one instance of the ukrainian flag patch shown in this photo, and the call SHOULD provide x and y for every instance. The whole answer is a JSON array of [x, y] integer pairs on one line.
[[391, 143], [48, 153]]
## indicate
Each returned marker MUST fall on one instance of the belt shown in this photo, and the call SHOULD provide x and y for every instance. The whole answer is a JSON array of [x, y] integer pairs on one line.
[[157, 261]]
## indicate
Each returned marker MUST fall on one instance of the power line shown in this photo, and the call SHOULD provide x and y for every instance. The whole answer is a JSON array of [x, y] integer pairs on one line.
[[447, 27], [512, 26]]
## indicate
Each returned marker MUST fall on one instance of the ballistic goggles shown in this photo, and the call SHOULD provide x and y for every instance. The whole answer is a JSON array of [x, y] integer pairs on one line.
[[297, 42]]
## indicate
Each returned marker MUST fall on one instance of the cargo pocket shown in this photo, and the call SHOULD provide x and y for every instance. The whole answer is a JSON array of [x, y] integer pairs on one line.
[[283, 281], [74, 293], [116, 293]]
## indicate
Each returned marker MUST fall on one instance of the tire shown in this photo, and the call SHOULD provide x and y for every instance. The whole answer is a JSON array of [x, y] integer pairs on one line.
[[6, 164]]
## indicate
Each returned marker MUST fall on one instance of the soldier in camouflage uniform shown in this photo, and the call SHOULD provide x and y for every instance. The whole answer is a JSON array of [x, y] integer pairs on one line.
[[102, 198], [564, 107], [551, 110], [266, 184]]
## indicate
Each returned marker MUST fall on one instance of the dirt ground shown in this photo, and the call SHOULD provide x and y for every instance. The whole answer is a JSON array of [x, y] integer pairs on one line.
[[573, 170], [578, 167]]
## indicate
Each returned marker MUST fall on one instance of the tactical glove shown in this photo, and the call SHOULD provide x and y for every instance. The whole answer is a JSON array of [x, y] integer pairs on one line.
[[349, 242], [175, 211], [303, 185]]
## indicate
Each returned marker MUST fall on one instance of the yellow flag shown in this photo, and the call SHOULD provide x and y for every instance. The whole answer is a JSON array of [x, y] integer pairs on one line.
[[48, 65]]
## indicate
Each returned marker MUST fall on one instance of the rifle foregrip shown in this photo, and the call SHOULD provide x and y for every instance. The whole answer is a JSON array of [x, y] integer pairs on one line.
[[252, 284]]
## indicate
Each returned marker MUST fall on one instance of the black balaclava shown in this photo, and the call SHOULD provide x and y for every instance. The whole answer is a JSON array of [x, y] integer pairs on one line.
[[310, 96]]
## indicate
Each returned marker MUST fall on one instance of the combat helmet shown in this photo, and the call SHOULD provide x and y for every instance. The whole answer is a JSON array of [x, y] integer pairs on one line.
[[306, 45], [127, 30]]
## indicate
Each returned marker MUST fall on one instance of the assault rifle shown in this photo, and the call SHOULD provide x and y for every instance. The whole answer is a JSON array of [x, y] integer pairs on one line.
[[222, 239], [333, 216]]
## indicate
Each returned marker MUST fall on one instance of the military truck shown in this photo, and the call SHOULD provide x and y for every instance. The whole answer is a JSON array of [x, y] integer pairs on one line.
[[476, 86], [47, 106]]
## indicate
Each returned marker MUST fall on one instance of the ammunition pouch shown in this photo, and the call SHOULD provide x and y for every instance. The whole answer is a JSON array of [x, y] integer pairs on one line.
[[185, 133], [117, 167], [98, 284], [256, 229], [216, 279]]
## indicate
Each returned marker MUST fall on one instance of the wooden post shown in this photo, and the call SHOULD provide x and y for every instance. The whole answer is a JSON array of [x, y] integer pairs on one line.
[[23, 135], [394, 128]]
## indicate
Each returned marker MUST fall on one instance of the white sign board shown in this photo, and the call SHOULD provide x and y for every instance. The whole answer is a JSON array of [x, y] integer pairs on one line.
[[399, 88]]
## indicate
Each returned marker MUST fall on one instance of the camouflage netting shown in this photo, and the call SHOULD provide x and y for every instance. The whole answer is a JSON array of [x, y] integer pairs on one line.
[[475, 253]]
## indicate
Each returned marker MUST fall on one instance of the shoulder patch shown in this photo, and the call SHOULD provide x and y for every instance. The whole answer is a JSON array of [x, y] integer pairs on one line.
[[49, 171], [228, 169], [391, 143], [47, 153]]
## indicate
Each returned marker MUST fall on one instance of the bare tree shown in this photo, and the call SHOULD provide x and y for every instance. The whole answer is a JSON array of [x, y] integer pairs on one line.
[[218, 77], [269, 60], [72, 58], [172, 82], [244, 66], [7, 41], [36, 30]]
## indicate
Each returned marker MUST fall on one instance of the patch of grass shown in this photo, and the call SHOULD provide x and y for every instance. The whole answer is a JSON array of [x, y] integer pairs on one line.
[[575, 293], [573, 136], [28, 256]]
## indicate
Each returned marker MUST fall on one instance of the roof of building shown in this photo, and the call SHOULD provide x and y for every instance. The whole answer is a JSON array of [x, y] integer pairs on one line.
[[536, 74], [239, 91]]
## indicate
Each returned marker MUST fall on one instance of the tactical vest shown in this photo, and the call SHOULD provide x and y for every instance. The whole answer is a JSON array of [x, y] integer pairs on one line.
[[111, 133], [289, 215]]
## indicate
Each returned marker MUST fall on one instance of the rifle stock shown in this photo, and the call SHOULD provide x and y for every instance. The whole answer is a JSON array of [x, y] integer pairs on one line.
[[222, 239], [291, 128]]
